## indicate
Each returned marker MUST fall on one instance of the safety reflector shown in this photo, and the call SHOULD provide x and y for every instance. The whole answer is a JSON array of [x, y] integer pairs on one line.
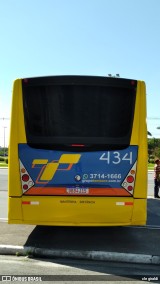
[[30, 202], [124, 203], [129, 181], [25, 202], [26, 180]]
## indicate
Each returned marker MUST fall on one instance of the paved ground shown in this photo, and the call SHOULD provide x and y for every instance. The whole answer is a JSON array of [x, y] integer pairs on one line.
[[127, 244]]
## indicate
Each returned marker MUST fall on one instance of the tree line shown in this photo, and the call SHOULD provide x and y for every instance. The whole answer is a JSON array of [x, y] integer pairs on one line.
[[153, 149]]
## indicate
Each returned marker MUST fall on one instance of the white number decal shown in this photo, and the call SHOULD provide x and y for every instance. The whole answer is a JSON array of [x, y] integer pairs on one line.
[[117, 158], [126, 158], [105, 157]]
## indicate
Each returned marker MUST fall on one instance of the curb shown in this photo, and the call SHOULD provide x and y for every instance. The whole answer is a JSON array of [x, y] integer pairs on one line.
[[89, 255]]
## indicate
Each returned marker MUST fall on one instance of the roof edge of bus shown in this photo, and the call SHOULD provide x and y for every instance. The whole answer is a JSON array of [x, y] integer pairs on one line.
[[79, 75]]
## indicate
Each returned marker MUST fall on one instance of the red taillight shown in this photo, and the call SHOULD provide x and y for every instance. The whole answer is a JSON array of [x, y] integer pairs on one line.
[[25, 186], [25, 177], [77, 145], [130, 188], [130, 179]]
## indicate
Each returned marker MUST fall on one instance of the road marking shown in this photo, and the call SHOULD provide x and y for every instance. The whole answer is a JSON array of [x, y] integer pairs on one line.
[[5, 220], [153, 227], [152, 197], [150, 227]]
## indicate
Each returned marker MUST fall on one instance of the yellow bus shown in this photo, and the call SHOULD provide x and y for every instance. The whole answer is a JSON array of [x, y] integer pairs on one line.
[[78, 151]]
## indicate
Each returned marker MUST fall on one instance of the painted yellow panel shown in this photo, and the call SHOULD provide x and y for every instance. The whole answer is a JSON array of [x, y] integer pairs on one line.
[[49, 171], [78, 211], [73, 211], [39, 161], [139, 137], [14, 210], [69, 158], [17, 135], [139, 212]]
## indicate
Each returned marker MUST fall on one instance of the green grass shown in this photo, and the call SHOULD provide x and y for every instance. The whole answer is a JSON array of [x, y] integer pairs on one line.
[[150, 166], [3, 161], [2, 164]]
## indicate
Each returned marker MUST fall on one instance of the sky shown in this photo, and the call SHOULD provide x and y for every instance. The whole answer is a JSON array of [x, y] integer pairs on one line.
[[80, 37]]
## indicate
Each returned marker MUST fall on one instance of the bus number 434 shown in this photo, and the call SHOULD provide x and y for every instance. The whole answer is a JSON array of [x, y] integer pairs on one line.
[[116, 157]]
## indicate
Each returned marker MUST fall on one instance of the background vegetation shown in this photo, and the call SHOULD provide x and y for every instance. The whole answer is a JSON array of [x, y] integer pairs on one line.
[[3, 157], [153, 149]]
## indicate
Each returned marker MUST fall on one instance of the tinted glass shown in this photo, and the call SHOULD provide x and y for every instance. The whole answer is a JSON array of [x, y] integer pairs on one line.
[[88, 114]]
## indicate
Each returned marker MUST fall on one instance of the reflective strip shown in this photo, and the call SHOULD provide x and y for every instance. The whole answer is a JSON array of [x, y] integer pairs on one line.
[[120, 203], [30, 202], [34, 202], [124, 203], [25, 202], [128, 203]]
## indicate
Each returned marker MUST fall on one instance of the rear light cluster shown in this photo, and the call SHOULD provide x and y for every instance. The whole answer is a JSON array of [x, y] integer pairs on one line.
[[26, 180], [129, 181]]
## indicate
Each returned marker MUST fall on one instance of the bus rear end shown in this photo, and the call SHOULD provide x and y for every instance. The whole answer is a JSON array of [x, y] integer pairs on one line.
[[78, 152]]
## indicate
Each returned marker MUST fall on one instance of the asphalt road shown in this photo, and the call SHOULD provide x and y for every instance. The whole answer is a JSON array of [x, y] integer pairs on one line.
[[3, 193], [75, 271]]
